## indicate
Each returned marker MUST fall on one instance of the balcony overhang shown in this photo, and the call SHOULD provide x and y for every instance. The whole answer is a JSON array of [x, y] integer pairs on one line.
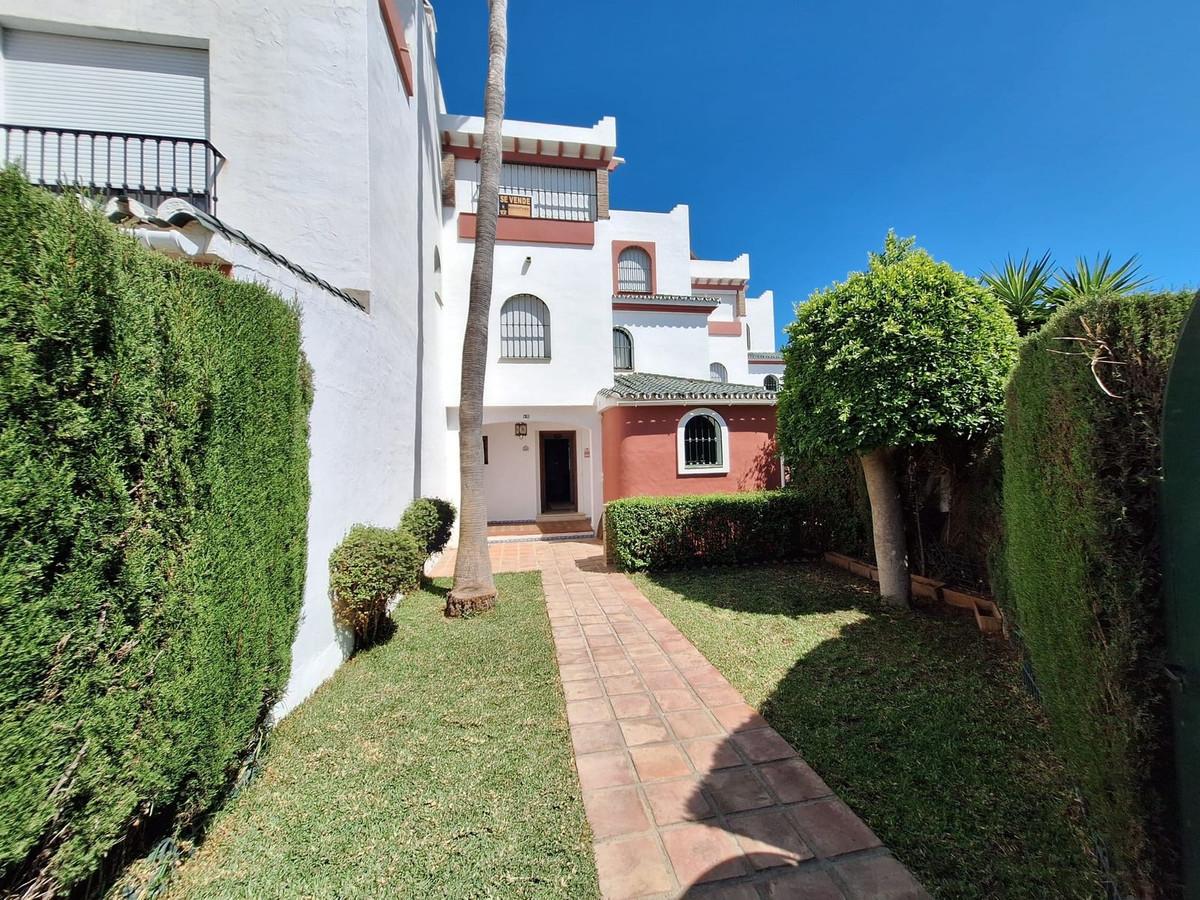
[[536, 143], [675, 303]]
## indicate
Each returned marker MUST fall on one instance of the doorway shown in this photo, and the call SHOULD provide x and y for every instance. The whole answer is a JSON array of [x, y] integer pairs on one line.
[[558, 471]]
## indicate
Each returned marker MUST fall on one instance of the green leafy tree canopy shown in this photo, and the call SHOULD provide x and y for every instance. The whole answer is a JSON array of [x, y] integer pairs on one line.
[[897, 355]]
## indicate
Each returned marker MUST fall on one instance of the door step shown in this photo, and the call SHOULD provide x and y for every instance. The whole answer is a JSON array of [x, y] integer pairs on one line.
[[532, 538]]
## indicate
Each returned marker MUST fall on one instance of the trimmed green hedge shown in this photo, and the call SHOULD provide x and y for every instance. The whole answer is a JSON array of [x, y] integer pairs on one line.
[[153, 506], [834, 485], [1081, 473], [715, 529]]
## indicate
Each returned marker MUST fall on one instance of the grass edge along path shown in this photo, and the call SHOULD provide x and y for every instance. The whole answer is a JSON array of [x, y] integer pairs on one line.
[[436, 765], [917, 721]]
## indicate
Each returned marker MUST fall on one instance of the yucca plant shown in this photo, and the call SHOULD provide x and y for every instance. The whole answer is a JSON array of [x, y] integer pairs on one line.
[[1024, 289], [1099, 280]]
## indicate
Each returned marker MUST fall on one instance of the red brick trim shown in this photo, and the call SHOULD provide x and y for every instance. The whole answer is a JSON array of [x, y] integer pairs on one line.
[[648, 246], [533, 159], [765, 362], [725, 329], [394, 25], [533, 231]]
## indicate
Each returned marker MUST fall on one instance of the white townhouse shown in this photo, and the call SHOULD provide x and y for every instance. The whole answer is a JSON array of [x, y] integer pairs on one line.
[[618, 364], [305, 145]]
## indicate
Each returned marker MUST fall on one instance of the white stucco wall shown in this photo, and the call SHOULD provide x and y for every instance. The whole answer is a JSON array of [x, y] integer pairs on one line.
[[288, 107], [667, 343], [730, 351], [760, 313], [512, 477], [333, 165], [575, 283]]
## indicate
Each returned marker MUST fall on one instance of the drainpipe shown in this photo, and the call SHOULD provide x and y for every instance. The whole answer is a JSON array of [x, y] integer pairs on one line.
[[173, 243]]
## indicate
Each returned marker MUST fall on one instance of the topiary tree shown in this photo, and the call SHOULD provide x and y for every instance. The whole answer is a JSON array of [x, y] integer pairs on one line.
[[901, 354], [430, 520], [366, 570]]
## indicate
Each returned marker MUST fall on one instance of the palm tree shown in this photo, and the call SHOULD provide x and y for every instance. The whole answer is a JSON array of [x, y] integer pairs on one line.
[[474, 588], [1023, 288], [1097, 281]]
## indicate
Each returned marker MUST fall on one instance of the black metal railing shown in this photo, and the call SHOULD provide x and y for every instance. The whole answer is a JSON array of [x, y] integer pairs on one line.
[[148, 167], [545, 192], [701, 442]]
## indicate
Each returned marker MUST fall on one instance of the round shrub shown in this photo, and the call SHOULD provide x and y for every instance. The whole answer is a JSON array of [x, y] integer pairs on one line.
[[902, 354], [369, 567], [429, 520]]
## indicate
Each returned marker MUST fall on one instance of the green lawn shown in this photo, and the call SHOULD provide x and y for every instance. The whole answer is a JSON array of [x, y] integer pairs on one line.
[[919, 723], [436, 765]]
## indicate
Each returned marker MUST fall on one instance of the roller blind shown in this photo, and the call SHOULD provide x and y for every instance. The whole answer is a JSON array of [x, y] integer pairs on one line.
[[62, 81]]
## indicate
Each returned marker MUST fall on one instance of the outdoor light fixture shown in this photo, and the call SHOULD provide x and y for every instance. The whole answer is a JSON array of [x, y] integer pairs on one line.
[[521, 429]]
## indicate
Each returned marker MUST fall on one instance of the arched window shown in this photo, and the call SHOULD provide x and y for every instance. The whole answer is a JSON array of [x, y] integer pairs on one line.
[[524, 328], [717, 372], [622, 350], [703, 443], [633, 271], [771, 383]]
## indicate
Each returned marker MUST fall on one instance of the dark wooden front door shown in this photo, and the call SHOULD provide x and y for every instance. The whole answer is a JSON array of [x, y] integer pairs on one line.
[[558, 471]]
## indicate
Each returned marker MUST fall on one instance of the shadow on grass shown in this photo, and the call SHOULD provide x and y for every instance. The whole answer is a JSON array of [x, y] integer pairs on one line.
[[916, 721]]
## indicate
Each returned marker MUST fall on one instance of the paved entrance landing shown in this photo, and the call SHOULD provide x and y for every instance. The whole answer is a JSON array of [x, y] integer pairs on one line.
[[688, 791]]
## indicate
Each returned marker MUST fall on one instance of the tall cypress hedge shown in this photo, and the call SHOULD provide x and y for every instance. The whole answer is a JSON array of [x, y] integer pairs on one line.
[[153, 500], [1081, 475]]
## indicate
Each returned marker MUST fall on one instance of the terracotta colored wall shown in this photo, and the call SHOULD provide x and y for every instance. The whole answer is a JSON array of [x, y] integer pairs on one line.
[[640, 452]]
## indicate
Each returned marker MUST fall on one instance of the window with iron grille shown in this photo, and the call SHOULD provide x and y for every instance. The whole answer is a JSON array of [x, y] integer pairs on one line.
[[554, 192], [622, 350], [771, 383], [633, 271], [717, 372], [702, 442], [524, 328]]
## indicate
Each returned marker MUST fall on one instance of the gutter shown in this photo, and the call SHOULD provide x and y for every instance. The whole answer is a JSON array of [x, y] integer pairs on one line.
[[603, 403]]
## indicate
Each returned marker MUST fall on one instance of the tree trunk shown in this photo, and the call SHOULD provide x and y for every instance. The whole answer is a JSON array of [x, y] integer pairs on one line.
[[887, 526], [474, 588]]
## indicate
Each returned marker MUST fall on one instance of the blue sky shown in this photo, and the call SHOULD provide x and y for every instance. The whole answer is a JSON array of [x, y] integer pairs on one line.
[[802, 131]]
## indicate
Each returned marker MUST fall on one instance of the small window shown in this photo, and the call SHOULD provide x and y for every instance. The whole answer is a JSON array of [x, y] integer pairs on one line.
[[717, 372], [524, 328], [622, 350], [771, 383], [485, 450], [633, 271], [701, 443], [747, 337]]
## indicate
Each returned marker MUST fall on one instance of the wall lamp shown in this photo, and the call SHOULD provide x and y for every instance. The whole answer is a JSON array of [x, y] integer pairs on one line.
[[521, 429]]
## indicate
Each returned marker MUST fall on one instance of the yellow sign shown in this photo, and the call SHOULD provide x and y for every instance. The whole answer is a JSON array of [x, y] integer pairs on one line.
[[516, 206]]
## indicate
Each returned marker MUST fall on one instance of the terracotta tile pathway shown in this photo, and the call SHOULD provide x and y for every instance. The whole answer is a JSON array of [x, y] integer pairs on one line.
[[688, 791]]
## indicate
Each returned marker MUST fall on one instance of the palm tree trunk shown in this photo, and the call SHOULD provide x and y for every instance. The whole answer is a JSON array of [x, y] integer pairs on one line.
[[474, 588], [887, 526]]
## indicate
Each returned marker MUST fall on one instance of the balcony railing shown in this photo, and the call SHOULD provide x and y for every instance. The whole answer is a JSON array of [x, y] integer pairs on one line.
[[544, 192], [147, 167]]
